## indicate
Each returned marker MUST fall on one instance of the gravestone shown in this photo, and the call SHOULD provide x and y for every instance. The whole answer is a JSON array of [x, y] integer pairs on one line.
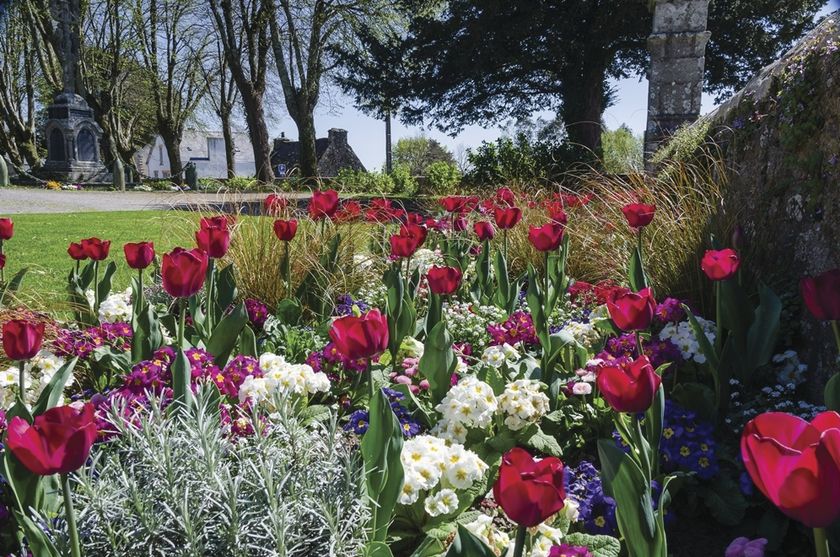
[[677, 49], [73, 136]]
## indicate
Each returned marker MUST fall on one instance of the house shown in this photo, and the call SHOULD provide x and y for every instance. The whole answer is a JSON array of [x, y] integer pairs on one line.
[[333, 153], [205, 149]]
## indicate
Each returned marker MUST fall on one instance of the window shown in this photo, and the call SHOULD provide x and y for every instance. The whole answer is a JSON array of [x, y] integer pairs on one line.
[[156, 173], [160, 154]]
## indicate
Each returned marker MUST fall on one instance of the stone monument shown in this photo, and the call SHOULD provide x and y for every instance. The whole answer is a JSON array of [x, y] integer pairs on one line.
[[677, 49], [72, 134]]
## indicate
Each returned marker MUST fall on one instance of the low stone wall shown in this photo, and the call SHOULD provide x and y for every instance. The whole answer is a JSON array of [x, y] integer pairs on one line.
[[781, 137]]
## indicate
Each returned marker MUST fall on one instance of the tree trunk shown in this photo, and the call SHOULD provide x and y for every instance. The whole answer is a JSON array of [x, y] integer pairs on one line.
[[230, 148], [389, 161], [583, 106], [308, 155], [173, 151], [258, 132]]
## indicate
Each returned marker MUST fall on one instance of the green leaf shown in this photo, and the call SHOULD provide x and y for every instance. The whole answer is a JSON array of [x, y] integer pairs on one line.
[[438, 362], [378, 549], [381, 448], [534, 438], [468, 545], [763, 331], [55, 388], [696, 397], [248, 343], [832, 393], [735, 307], [13, 286], [315, 413], [224, 336], [104, 286], [700, 335], [181, 377], [636, 271], [724, 500], [288, 311], [226, 291], [599, 546], [147, 335]]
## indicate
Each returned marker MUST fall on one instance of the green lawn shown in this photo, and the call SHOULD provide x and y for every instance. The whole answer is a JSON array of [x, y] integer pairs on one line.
[[40, 243]]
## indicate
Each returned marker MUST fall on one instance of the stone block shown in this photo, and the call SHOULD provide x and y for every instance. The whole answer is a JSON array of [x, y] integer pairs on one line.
[[681, 16]]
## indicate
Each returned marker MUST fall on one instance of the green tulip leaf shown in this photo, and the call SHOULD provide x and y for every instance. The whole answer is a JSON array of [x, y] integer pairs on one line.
[[832, 393], [12, 286], [224, 336], [636, 271], [248, 343], [466, 544], [54, 390], [438, 362], [181, 377]]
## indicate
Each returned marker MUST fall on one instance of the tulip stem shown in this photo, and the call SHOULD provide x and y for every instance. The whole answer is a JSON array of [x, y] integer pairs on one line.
[[96, 286], [639, 348], [519, 544], [75, 550], [835, 326], [211, 298], [821, 542], [2, 269], [288, 270], [504, 234], [181, 323], [369, 374], [22, 379]]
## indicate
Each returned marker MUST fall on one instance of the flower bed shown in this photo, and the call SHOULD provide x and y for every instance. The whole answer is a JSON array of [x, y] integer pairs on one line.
[[409, 395]]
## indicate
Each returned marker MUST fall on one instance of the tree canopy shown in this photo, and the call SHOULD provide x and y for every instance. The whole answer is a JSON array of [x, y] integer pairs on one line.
[[482, 62]]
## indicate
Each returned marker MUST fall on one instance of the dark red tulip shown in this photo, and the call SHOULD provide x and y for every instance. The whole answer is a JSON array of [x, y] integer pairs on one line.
[[453, 203], [638, 215], [444, 280], [720, 264], [139, 255], [547, 237], [76, 251], [416, 231], [96, 249], [348, 212], [796, 464], [506, 197], [484, 230], [360, 337], [507, 217], [214, 236], [7, 229], [528, 490], [183, 271], [285, 230], [275, 204], [632, 311], [57, 442], [324, 204], [556, 212], [403, 246], [822, 295], [459, 223], [629, 387], [22, 339]]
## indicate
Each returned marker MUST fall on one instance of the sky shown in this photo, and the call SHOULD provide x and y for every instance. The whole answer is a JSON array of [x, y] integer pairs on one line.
[[367, 135]]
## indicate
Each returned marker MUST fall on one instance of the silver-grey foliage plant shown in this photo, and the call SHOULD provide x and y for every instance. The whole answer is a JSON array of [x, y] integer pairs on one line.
[[175, 484]]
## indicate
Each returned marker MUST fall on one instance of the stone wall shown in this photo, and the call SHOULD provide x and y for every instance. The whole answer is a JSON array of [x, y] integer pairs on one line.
[[781, 138]]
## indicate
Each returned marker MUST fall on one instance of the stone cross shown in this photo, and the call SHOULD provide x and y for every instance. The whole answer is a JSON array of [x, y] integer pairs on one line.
[[677, 49], [67, 14]]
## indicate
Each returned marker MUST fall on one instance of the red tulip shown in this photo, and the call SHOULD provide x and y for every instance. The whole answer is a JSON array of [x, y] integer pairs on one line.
[[638, 215], [459, 223], [453, 203], [22, 339], [629, 387], [275, 204], [822, 295], [632, 311], [556, 212], [507, 217], [720, 264], [360, 337], [285, 230], [76, 251], [796, 464], [547, 237], [444, 280], [183, 271], [7, 229], [506, 196], [349, 211], [57, 442], [324, 204], [403, 246], [529, 490], [95, 248], [416, 231], [214, 236], [139, 255], [484, 230]]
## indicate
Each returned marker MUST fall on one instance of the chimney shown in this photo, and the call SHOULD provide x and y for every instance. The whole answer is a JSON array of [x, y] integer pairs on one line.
[[337, 137]]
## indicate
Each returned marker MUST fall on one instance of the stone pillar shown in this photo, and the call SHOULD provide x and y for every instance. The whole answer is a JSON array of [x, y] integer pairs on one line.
[[677, 49]]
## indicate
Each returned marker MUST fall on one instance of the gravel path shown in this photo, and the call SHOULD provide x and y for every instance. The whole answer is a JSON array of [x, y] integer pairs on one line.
[[30, 200]]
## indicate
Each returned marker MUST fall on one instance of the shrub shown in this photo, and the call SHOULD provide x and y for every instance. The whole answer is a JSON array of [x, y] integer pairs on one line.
[[442, 178], [404, 182], [623, 152], [417, 153], [359, 181], [176, 484]]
